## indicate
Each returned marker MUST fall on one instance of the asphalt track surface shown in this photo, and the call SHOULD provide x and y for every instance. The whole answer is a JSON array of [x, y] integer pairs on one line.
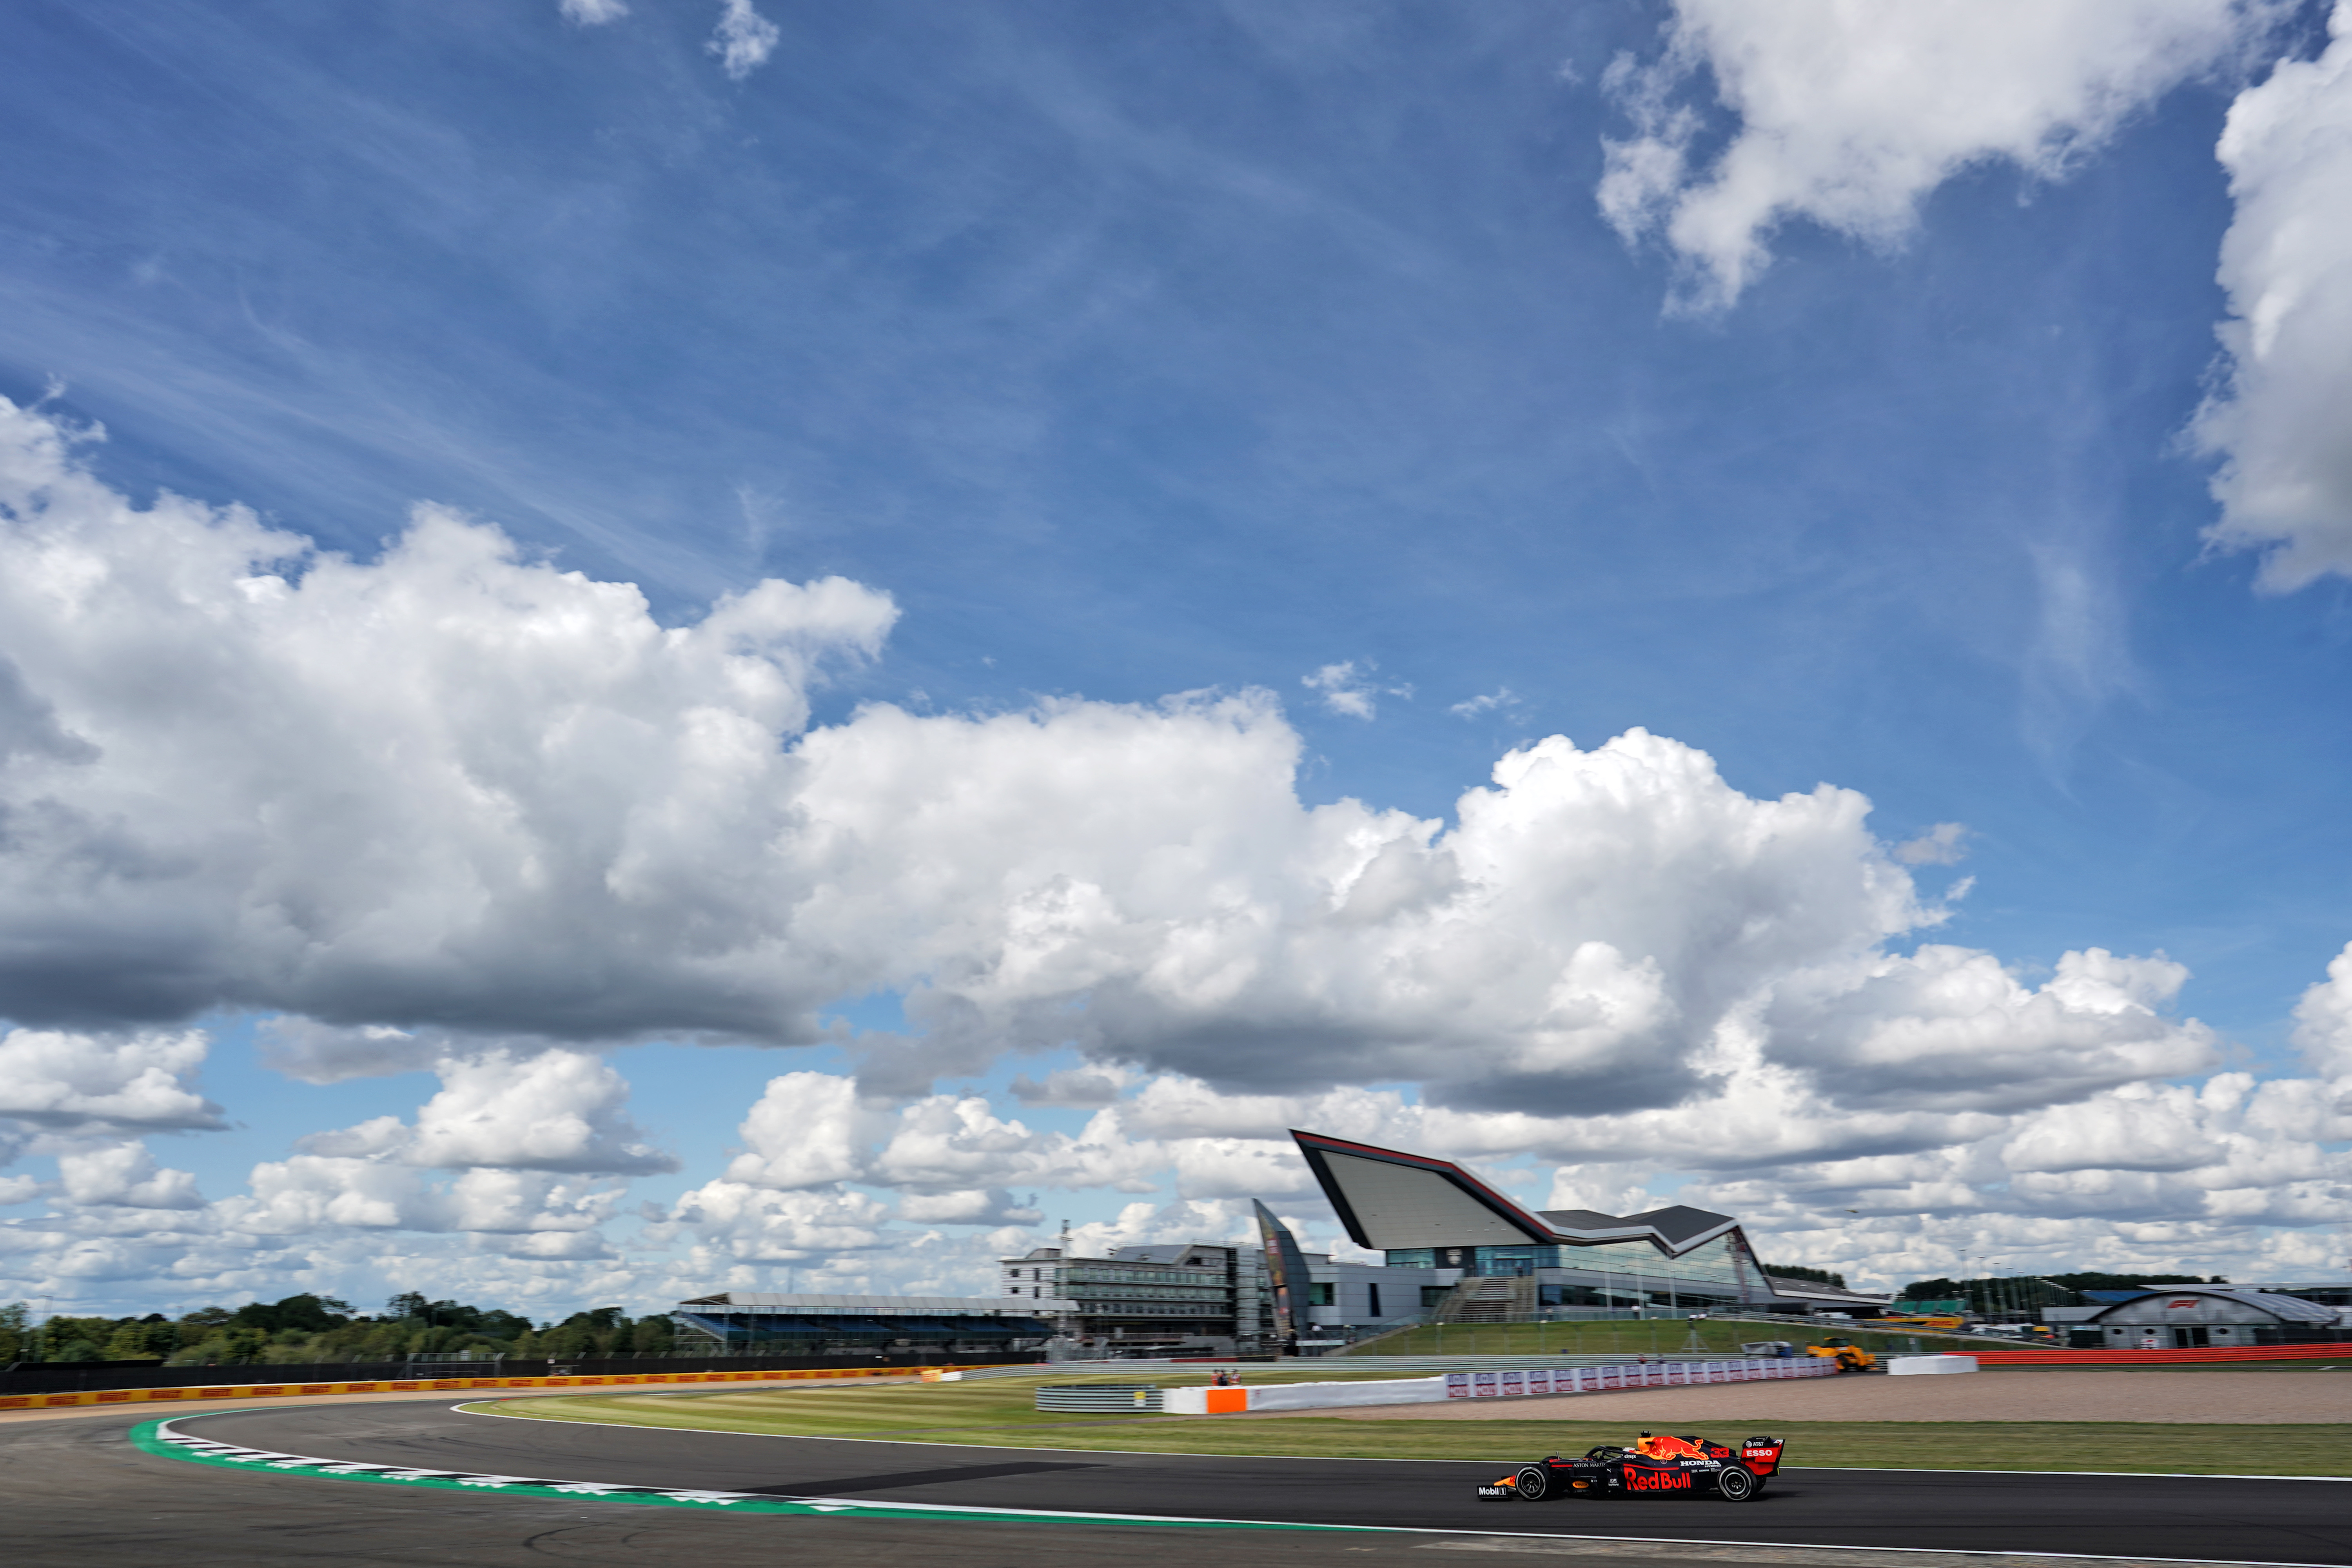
[[75, 1492]]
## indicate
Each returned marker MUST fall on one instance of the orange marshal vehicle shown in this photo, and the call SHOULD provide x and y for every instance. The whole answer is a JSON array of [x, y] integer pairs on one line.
[[1653, 1464]]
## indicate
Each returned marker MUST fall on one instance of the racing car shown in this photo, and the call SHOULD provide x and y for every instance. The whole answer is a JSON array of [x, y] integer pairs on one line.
[[1670, 1465]]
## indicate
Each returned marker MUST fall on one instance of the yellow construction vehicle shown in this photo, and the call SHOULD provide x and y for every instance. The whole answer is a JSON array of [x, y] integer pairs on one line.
[[1849, 1357]]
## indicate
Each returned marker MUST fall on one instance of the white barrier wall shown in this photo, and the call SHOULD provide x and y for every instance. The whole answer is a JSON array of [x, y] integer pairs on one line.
[[1319, 1396], [1913, 1365], [1510, 1384]]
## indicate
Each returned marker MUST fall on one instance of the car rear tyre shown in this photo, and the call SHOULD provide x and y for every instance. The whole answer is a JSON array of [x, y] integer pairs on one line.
[[1535, 1484], [1737, 1483]]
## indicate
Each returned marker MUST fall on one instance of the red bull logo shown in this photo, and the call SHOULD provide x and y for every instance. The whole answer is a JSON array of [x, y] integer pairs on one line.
[[1657, 1480]]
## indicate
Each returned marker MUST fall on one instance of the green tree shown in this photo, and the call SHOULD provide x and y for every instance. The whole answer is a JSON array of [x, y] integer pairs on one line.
[[567, 1340], [1799, 1271], [133, 1341], [657, 1335], [14, 1333], [75, 1339], [297, 1314]]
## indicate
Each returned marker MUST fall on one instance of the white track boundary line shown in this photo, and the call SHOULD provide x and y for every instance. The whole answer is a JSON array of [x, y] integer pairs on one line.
[[1392, 1528], [466, 1408]]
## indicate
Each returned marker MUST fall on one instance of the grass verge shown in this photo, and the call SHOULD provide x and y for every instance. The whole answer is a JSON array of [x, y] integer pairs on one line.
[[999, 1414]]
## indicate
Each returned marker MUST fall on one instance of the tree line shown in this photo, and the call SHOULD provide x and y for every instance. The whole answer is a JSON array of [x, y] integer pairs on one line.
[[308, 1329]]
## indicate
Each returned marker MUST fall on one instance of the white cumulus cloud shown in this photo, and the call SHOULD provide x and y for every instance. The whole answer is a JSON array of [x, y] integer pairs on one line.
[[557, 1111], [69, 1081], [1849, 113], [2284, 420], [458, 810], [453, 786]]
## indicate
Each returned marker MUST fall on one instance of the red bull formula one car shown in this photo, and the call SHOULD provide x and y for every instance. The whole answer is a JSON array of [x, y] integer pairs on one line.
[[1655, 1465]]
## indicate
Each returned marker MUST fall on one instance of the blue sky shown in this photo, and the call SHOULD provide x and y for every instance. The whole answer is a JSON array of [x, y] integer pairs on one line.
[[1207, 348]]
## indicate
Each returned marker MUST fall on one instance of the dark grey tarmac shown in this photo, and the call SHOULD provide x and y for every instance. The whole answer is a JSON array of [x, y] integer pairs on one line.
[[76, 1493]]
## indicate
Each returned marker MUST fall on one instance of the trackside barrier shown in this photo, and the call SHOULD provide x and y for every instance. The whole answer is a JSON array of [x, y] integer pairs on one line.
[[438, 1385], [1099, 1396], [1499, 1384], [2340, 1351]]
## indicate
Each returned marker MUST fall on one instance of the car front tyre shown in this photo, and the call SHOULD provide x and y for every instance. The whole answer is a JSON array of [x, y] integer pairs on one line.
[[1737, 1483], [1535, 1484]]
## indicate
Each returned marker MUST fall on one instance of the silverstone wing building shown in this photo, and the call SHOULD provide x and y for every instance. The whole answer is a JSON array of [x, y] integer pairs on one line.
[[1426, 1214]]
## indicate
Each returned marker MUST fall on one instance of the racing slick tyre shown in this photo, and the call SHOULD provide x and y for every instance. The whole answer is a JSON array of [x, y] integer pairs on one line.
[[1534, 1484], [1736, 1483]]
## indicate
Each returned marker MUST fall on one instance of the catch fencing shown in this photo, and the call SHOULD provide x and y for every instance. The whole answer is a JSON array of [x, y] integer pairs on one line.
[[445, 1384], [1506, 1382], [82, 1377]]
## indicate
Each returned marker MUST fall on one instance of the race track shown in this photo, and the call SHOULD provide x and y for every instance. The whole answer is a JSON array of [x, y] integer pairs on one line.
[[77, 1494]]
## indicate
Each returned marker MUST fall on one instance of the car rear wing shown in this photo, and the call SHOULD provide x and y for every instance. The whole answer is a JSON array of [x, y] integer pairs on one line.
[[1761, 1455]]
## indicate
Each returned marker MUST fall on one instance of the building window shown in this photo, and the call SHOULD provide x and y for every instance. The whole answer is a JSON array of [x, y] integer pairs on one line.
[[1319, 1294], [1375, 1291]]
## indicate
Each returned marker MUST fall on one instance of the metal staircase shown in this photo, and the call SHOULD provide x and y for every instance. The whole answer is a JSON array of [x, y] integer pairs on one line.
[[1489, 1299]]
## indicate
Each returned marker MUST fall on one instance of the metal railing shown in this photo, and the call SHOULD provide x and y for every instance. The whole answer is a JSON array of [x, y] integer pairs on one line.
[[1099, 1397]]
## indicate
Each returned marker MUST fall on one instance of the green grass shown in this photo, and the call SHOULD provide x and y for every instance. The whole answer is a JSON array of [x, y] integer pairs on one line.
[[1000, 1414], [1719, 1337]]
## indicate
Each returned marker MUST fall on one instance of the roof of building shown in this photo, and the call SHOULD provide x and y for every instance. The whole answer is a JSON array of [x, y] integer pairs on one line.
[[1390, 1199], [1814, 1290], [2287, 1308], [1172, 1252], [883, 1306]]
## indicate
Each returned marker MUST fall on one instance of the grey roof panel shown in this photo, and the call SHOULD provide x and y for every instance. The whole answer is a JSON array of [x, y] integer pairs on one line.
[[1405, 1206], [1391, 1200], [1680, 1223]]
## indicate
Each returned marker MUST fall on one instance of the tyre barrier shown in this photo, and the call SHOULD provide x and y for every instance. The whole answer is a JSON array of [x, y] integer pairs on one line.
[[1099, 1397]]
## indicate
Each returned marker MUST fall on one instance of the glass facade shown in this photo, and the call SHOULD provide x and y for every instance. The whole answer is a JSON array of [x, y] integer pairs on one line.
[[1610, 1274], [720, 1332]]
